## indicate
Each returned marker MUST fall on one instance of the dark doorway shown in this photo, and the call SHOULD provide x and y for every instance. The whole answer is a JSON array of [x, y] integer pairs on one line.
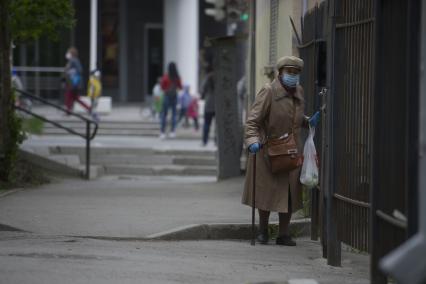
[[153, 58]]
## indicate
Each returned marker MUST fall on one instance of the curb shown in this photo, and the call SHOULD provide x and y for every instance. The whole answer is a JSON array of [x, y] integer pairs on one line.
[[9, 192], [215, 231], [298, 228]]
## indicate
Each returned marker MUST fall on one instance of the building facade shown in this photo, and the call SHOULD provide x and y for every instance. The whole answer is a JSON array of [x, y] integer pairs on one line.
[[133, 43]]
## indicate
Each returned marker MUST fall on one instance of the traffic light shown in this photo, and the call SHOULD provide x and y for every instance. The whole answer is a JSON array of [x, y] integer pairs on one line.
[[237, 10], [218, 12], [244, 16]]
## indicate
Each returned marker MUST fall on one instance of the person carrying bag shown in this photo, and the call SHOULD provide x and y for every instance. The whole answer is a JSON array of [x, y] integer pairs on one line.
[[272, 132]]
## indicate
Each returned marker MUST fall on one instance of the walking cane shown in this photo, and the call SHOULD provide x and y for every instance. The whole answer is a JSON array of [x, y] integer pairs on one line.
[[253, 230]]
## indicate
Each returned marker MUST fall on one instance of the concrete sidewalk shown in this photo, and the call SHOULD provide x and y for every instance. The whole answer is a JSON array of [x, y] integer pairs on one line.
[[62, 215], [126, 206], [27, 258]]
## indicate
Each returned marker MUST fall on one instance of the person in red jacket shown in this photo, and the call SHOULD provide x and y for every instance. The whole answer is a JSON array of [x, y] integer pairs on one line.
[[170, 84]]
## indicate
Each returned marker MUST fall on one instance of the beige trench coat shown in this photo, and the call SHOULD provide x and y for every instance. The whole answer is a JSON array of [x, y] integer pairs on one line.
[[272, 114]]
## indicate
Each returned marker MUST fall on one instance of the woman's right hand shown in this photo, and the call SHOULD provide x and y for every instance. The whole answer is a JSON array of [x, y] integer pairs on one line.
[[254, 148]]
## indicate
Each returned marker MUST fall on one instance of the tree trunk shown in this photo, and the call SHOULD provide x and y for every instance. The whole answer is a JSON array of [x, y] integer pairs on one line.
[[5, 86]]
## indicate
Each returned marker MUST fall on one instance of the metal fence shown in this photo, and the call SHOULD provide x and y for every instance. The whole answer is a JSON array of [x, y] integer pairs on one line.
[[44, 82], [352, 120], [371, 171], [312, 50], [394, 195]]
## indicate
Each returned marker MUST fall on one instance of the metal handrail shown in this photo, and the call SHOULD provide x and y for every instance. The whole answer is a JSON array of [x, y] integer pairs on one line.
[[391, 220], [88, 136]]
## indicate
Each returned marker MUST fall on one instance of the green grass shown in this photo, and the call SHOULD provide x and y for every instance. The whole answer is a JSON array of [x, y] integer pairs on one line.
[[32, 125]]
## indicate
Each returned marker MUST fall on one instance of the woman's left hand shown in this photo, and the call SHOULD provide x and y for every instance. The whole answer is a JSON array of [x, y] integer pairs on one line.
[[313, 121]]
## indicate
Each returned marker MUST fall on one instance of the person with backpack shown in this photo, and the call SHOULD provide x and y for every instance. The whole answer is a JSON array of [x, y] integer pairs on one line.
[[73, 80], [170, 84]]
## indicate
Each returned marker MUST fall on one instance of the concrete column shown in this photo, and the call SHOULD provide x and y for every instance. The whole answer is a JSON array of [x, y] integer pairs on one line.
[[181, 33], [93, 34], [229, 130]]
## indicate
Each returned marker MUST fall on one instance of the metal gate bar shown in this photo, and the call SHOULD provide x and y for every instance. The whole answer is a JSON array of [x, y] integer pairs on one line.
[[352, 117]]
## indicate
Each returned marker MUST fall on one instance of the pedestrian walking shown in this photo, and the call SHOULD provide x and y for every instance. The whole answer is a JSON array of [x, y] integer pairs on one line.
[[73, 77], [207, 94], [276, 115], [157, 100], [170, 84], [193, 111], [184, 102], [17, 85], [94, 91]]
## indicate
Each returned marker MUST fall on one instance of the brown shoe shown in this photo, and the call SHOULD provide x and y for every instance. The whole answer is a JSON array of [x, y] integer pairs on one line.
[[285, 241]]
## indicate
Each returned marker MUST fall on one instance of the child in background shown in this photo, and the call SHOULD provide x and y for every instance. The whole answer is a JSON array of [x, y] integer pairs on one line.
[[193, 111], [94, 91], [184, 102], [157, 99]]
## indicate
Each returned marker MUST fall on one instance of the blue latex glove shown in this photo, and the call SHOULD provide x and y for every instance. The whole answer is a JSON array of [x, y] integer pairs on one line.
[[254, 148], [313, 121]]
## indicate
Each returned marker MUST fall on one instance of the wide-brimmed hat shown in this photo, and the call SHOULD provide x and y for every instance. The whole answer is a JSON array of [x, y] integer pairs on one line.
[[290, 61]]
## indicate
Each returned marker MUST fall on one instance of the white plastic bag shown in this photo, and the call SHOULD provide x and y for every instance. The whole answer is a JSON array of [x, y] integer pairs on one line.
[[309, 174]]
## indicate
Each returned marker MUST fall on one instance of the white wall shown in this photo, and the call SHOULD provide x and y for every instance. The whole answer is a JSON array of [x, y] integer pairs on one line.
[[181, 39]]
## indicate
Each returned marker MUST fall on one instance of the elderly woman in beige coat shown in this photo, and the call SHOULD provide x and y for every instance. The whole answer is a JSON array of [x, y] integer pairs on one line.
[[278, 109]]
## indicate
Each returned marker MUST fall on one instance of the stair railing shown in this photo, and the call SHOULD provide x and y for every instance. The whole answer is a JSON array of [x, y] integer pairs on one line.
[[88, 136]]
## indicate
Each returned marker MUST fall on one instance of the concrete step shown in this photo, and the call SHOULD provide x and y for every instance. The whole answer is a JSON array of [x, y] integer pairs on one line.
[[187, 153], [111, 159], [193, 161], [129, 126], [139, 152], [73, 121], [59, 164], [95, 171], [111, 132], [70, 160], [169, 170], [144, 161], [152, 160], [181, 134]]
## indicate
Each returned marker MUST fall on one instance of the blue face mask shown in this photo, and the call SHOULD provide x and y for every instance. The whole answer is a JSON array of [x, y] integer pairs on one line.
[[290, 80]]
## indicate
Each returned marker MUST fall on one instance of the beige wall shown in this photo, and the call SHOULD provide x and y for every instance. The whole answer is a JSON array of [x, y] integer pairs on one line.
[[285, 43], [311, 3], [285, 31], [286, 39], [262, 41]]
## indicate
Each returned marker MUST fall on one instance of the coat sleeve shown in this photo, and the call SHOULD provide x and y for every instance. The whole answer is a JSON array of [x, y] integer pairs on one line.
[[305, 122], [256, 119]]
